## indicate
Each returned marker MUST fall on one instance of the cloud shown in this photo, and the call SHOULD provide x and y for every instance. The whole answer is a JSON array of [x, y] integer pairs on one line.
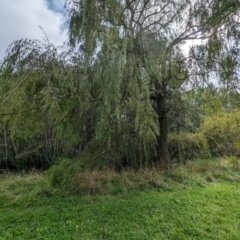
[[22, 18]]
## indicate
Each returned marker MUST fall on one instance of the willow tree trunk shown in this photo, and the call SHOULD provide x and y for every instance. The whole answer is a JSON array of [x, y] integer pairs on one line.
[[162, 140]]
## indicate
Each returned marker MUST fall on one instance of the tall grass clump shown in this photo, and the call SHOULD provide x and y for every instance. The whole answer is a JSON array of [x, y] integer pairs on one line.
[[72, 177]]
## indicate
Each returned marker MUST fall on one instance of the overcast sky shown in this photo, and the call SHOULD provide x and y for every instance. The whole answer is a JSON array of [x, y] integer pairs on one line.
[[22, 18]]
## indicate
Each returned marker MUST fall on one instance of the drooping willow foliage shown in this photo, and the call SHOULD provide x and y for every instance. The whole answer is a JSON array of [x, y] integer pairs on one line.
[[40, 99], [146, 37], [111, 91]]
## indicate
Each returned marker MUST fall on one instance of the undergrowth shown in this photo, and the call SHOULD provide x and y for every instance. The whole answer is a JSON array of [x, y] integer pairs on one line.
[[70, 177]]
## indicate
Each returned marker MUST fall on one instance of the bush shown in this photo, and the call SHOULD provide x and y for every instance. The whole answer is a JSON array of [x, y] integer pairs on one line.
[[223, 133], [219, 135], [187, 146]]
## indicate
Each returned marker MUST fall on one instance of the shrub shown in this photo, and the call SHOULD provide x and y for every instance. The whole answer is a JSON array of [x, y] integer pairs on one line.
[[223, 133], [219, 135], [188, 146]]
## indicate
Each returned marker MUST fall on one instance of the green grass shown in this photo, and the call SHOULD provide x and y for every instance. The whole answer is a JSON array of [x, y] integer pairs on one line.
[[191, 208]]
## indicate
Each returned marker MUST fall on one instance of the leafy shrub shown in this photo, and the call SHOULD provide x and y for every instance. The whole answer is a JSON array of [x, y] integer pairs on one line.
[[188, 146], [219, 135], [223, 133]]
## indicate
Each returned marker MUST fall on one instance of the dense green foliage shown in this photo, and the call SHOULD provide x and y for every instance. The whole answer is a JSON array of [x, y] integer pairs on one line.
[[122, 83]]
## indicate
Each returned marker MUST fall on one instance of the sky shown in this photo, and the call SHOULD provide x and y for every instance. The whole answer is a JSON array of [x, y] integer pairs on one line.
[[23, 19]]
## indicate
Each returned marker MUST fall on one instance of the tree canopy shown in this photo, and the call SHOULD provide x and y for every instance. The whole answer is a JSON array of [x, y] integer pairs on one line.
[[122, 79]]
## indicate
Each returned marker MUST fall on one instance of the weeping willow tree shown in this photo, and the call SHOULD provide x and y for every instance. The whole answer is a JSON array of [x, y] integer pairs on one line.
[[40, 102], [139, 61]]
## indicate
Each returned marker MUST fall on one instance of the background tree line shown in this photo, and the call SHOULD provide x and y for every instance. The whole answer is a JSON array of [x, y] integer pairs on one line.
[[125, 91]]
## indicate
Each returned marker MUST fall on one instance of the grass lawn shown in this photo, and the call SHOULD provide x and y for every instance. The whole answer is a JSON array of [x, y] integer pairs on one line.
[[29, 211]]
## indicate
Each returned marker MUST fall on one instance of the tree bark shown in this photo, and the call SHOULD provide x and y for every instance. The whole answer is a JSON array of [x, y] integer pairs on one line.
[[162, 140]]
